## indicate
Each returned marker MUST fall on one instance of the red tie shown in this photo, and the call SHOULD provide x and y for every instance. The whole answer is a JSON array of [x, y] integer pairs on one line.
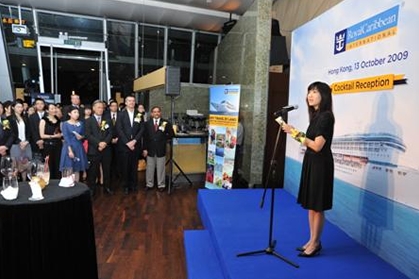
[[156, 126]]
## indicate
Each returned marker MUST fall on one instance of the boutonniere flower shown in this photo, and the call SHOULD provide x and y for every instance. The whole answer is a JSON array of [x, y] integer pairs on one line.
[[103, 125], [138, 117], [77, 124], [162, 126], [6, 124]]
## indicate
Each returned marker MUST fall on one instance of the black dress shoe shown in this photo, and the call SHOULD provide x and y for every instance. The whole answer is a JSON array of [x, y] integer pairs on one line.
[[147, 188], [161, 189], [314, 253], [300, 249]]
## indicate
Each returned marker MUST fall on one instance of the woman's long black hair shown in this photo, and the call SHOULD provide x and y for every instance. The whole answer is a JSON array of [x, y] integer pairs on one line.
[[326, 103]]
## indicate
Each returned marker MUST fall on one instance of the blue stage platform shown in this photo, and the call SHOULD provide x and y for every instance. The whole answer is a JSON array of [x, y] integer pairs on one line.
[[234, 223]]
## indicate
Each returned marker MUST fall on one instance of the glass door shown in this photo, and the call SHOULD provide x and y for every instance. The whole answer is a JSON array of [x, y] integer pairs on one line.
[[67, 71]]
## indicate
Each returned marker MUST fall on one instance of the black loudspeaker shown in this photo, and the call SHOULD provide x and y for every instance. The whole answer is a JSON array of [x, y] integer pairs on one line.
[[279, 53], [275, 29], [172, 80]]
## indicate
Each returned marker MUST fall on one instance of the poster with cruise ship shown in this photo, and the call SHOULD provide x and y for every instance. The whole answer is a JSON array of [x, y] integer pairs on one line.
[[371, 61], [223, 121]]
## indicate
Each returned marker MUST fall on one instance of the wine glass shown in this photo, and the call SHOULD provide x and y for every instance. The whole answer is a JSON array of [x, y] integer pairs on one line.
[[39, 172], [10, 187], [8, 166], [42, 171]]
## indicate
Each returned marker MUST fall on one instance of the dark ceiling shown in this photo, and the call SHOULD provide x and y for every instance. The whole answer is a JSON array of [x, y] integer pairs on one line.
[[208, 15]]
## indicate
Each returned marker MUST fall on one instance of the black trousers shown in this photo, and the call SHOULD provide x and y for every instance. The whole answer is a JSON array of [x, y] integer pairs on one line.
[[128, 161], [115, 166], [104, 158]]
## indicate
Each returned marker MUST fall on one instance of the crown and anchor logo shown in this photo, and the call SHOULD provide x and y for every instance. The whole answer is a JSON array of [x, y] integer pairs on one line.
[[340, 42]]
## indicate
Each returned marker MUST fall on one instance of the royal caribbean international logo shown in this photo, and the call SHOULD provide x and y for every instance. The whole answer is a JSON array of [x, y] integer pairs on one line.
[[340, 44], [373, 29]]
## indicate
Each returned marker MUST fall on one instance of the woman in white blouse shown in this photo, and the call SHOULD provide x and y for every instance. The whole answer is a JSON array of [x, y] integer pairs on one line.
[[21, 149]]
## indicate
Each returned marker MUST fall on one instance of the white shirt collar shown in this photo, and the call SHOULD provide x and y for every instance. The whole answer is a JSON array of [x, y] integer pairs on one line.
[[131, 116]]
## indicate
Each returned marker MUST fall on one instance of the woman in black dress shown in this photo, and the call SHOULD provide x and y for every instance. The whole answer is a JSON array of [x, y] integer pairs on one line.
[[50, 132], [316, 184]]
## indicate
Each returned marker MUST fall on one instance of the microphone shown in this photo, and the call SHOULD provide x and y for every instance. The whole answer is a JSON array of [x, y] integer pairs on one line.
[[285, 109]]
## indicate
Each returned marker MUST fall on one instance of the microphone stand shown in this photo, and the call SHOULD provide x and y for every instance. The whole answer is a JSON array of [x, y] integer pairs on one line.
[[270, 249]]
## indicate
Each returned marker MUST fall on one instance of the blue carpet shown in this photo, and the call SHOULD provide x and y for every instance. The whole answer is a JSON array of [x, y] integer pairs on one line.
[[236, 224], [201, 259]]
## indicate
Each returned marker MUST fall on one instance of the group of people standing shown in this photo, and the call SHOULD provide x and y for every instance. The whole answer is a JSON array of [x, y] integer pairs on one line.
[[102, 144]]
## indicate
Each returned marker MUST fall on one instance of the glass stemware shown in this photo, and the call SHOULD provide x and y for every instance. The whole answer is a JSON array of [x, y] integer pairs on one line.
[[39, 172], [8, 166], [10, 188]]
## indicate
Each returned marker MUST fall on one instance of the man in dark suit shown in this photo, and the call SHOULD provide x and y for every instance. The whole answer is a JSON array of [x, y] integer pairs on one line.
[[158, 132], [113, 113], [37, 144], [99, 136], [75, 102], [130, 130]]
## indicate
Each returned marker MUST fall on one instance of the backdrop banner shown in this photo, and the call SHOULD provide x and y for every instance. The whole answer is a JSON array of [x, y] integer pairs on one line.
[[370, 62], [368, 54]]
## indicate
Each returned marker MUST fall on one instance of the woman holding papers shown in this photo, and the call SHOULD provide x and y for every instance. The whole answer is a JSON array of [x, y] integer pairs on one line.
[[72, 154], [316, 183]]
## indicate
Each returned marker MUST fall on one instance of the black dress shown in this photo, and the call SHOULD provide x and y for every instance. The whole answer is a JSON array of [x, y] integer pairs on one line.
[[316, 184], [52, 147]]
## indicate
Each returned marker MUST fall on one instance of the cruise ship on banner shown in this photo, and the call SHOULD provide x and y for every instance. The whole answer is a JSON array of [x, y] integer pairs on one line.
[[370, 161]]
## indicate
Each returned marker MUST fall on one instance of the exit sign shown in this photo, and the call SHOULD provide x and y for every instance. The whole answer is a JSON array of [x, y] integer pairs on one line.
[[73, 42]]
